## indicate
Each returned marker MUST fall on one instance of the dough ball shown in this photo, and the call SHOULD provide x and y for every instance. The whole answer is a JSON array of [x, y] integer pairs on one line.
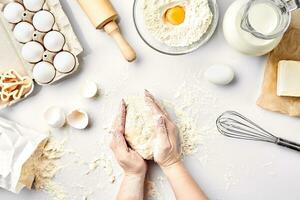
[[140, 126]]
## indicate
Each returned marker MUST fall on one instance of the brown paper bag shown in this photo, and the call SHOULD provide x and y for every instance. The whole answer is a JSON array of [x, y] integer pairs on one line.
[[288, 49]]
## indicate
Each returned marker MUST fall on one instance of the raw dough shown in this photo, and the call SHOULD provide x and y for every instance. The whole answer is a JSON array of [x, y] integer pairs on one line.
[[140, 126]]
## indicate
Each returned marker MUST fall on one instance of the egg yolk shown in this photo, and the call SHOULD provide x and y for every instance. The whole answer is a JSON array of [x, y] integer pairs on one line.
[[175, 15]]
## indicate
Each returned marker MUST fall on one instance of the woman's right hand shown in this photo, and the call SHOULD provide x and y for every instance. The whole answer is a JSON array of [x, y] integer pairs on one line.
[[165, 149]]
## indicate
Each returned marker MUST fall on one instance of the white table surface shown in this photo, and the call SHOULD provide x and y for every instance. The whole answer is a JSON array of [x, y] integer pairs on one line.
[[232, 169]]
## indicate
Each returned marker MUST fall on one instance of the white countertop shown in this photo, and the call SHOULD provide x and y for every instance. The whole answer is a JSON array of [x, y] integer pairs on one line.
[[225, 168]]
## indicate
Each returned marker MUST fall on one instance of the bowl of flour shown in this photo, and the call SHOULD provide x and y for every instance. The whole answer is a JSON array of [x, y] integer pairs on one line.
[[175, 27]]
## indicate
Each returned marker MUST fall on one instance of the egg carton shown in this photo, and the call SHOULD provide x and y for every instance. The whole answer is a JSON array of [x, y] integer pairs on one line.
[[50, 48]]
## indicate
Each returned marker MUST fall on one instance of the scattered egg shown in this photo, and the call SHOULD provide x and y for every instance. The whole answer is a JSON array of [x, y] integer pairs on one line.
[[219, 74], [89, 89], [13, 12], [78, 119], [54, 41], [43, 21], [32, 52], [175, 15], [55, 117], [43, 72], [64, 62], [33, 5], [23, 32]]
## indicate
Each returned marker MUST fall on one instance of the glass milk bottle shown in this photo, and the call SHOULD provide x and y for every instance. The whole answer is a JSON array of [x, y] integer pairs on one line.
[[255, 27]]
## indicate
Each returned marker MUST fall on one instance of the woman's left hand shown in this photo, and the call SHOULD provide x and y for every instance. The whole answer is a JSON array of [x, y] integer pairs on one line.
[[131, 162]]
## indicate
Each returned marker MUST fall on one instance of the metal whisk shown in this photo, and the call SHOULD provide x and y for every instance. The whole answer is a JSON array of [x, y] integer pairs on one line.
[[235, 125]]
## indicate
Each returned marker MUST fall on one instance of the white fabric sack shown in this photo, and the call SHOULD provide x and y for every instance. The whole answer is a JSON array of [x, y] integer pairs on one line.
[[17, 144]]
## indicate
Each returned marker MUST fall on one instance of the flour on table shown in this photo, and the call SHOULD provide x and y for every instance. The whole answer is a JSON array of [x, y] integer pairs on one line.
[[189, 133], [198, 18], [46, 167], [105, 164]]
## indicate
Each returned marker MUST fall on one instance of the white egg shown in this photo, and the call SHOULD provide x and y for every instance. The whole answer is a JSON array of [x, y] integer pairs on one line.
[[32, 52], [219, 74], [78, 119], [54, 41], [43, 21], [13, 12], [23, 32], [64, 62], [89, 89], [43, 72], [33, 5], [55, 117]]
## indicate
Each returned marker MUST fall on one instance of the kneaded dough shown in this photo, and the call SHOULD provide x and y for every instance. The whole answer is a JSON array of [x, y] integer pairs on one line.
[[140, 126]]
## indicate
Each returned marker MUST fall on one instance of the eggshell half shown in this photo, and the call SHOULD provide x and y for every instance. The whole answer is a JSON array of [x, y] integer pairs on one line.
[[55, 117], [78, 119], [89, 89]]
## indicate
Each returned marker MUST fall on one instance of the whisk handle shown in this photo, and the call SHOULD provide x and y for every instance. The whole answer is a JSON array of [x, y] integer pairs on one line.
[[288, 144]]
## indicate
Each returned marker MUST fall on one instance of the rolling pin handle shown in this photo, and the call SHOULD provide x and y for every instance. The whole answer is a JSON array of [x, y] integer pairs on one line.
[[112, 29]]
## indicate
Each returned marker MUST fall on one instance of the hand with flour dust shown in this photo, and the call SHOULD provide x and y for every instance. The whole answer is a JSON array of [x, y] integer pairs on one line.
[[132, 187], [166, 154], [165, 146]]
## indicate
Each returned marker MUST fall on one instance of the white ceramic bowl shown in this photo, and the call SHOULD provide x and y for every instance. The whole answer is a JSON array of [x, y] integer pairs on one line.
[[163, 48]]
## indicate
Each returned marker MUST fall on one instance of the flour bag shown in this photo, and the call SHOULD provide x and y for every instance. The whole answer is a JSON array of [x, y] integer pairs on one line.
[[17, 147]]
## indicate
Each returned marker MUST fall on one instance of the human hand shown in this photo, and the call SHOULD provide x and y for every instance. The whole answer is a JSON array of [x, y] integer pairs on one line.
[[165, 149], [131, 162]]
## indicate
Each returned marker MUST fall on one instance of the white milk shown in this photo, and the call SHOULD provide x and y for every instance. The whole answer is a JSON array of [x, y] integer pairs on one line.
[[263, 17]]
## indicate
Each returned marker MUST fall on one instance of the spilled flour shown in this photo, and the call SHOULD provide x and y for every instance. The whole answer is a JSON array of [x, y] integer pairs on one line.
[[105, 164], [193, 127], [189, 133], [196, 124], [45, 168]]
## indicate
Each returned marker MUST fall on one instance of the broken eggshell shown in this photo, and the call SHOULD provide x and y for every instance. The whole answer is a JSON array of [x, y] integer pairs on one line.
[[89, 89], [78, 119], [32, 52], [13, 12], [43, 21], [55, 117], [54, 41], [33, 5], [43, 72], [23, 32], [64, 62]]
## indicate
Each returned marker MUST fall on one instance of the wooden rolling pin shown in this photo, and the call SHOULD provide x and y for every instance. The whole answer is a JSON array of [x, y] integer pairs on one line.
[[103, 16]]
